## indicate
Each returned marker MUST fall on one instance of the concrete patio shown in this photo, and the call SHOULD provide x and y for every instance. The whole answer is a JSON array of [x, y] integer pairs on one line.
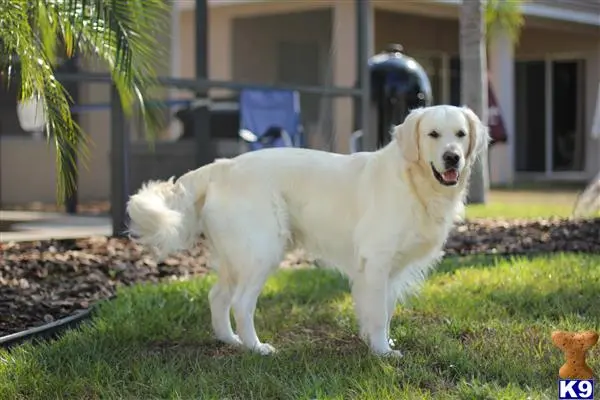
[[19, 226]]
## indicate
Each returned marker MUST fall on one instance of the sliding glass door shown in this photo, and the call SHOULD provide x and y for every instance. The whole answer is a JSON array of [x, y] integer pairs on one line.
[[568, 136], [530, 116], [549, 116]]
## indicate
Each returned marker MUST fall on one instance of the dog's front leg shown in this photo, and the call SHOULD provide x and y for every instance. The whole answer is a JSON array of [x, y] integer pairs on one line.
[[392, 300], [370, 294]]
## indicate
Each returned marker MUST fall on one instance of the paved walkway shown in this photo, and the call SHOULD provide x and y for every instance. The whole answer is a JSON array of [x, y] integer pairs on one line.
[[32, 225]]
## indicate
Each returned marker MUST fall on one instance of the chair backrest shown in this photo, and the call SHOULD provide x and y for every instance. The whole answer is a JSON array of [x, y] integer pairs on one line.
[[261, 110]]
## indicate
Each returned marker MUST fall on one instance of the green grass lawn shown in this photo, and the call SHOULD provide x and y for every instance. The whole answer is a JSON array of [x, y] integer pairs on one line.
[[479, 329], [525, 203]]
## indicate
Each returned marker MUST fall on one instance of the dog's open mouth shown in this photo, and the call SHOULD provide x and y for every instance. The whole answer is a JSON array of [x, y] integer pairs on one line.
[[446, 178]]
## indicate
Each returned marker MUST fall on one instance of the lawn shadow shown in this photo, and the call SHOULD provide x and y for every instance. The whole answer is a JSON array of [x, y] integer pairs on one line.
[[178, 313]]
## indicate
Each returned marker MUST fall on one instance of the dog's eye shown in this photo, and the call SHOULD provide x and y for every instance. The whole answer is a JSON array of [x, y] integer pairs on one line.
[[434, 134], [461, 134]]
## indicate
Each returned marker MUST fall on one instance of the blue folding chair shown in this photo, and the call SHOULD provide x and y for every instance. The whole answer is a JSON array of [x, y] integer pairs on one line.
[[270, 118]]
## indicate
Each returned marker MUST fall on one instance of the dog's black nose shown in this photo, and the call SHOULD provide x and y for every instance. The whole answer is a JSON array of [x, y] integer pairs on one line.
[[451, 159]]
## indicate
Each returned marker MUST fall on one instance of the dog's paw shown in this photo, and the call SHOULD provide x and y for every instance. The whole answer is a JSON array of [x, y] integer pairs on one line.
[[264, 349], [388, 353], [393, 354], [233, 340]]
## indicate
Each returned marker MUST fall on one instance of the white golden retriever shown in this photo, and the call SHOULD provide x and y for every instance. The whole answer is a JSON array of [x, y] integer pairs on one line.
[[380, 217]]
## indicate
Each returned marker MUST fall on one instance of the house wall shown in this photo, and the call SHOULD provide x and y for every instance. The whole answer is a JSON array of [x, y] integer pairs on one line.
[[416, 33], [244, 47], [27, 171]]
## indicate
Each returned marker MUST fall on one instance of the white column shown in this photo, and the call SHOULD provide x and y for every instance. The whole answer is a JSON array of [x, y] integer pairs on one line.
[[345, 73], [502, 79]]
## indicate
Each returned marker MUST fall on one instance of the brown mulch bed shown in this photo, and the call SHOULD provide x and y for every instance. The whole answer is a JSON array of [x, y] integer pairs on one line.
[[44, 281]]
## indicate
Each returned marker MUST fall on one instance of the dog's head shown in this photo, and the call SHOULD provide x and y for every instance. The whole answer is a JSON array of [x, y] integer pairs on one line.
[[444, 139]]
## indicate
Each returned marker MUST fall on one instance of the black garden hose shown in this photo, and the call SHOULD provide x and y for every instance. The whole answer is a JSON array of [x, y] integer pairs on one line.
[[50, 330]]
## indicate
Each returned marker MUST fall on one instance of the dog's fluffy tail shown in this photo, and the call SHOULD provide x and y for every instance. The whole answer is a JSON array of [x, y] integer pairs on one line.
[[164, 214]]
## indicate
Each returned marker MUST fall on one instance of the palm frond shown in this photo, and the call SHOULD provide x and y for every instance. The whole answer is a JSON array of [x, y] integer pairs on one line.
[[506, 15], [25, 48], [120, 33]]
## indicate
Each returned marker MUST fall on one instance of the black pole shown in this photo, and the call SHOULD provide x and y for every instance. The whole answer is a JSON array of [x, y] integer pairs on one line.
[[70, 165], [363, 28], [201, 111], [119, 172], [381, 120]]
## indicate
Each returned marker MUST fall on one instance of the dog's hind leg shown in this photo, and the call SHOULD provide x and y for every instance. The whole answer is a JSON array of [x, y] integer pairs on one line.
[[244, 306], [264, 250], [220, 298], [249, 241]]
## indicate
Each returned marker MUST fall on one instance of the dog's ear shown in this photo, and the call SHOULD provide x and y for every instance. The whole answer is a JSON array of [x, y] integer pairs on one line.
[[479, 137], [407, 135]]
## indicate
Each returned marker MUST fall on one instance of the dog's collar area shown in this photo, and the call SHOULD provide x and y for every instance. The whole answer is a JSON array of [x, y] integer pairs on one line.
[[439, 177]]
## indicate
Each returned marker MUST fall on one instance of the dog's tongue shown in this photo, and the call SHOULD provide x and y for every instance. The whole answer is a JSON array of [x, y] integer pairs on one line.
[[450, 176]]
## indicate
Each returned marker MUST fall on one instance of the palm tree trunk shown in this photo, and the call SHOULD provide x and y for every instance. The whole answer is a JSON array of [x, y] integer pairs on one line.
[[474, 84]]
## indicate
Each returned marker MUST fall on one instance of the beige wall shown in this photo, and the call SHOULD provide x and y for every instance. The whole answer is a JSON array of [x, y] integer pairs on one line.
[[536, 42], [256, 40], [187, 42], [416, 33], [27, 170]]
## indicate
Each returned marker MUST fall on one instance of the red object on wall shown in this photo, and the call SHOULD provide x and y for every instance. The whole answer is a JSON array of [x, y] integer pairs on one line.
[[495, 120]]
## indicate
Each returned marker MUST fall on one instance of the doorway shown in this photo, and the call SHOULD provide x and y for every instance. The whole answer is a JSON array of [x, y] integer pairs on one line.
[[549, 100]]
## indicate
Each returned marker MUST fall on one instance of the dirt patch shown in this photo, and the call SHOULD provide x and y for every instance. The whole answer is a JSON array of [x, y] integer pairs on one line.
[[525, 237]]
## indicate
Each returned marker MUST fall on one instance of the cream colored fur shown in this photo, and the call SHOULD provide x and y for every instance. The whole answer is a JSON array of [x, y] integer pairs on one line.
[[379, 217]]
